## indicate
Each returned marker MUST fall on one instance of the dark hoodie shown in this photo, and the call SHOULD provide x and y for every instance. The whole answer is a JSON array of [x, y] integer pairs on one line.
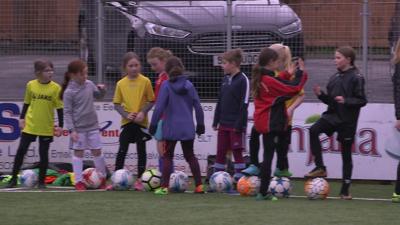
[[176, 101]]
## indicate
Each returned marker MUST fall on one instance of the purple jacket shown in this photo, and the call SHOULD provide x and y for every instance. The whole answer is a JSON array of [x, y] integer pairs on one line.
[[175, 102]]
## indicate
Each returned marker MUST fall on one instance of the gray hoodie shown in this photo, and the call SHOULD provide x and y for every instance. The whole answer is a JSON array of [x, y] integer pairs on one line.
[[79, 112]]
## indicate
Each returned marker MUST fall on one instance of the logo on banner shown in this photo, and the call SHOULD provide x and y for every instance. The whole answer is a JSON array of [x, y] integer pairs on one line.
[[9, 124]]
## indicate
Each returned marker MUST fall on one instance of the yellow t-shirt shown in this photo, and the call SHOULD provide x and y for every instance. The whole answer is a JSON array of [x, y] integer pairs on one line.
[[133, 95], [42, 100]]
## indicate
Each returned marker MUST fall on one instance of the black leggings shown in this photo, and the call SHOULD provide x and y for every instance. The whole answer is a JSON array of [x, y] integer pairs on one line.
[[397, 187], [44, 145], [282, 148], [346, 140]]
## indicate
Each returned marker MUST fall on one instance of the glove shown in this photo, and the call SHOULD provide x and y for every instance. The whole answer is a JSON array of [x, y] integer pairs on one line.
[[152, 129], [200, 129]]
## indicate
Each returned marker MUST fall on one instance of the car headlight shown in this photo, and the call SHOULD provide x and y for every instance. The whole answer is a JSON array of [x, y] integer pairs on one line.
[[159, 30], [291, 28]]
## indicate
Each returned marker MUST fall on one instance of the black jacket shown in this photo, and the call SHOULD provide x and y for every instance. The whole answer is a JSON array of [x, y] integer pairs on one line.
[[350, 85], [396, 89]]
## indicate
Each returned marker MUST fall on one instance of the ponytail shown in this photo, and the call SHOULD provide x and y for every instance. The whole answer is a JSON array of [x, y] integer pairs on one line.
[[64, 85], [256, 74]]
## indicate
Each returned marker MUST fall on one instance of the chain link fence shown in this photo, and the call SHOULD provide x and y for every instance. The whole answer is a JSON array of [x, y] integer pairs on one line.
[[196, 31]]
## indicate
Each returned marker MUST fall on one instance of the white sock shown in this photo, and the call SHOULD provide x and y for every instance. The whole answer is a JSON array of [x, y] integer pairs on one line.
[[77, 166], [100, 164]]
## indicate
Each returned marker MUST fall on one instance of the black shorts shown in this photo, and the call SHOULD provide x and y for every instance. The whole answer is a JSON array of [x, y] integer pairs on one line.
[[133, 133], [346, 132], [32, 138]]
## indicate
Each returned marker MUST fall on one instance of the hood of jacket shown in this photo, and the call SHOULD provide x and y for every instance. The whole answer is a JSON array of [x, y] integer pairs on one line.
[[179, 84]]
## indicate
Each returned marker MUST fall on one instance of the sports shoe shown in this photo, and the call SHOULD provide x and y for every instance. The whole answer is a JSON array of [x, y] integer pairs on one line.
[[199, 189], [317, 172], [396, 198], [103, 185], [282, 173], [161, 191], [346, 197], [109, 187], [252, 170], [80, 186], [138, 186], [12, 183], [268, 197], [237, 176]]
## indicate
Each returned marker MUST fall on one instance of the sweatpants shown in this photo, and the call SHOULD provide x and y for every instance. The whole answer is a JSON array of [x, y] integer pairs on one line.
[[188, 154], [44, 145]]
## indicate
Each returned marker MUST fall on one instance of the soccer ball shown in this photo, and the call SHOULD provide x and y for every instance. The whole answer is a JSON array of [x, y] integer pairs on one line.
[[280, 187], [28, 178], [317, 188], [121, 179], [248, 186], [151, 179], [92, 178], [178, 182], [221, 182]]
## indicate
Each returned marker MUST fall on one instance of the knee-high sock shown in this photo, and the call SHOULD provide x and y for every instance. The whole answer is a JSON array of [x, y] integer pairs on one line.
[[77, 167], [100, 164]]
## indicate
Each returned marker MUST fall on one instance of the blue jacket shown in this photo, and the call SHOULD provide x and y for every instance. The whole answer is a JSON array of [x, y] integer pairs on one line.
[[175, 102], [233, 101]]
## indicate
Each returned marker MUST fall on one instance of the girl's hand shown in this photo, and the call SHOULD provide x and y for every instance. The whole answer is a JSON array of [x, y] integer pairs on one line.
[[290, 112], [132, 116], [139, 117], [21, 124], [215, 128], [339, 99], [317, 90], [58, 131], [292, 68], [74, 136], [101, 86], [397, 125], [300, 64]]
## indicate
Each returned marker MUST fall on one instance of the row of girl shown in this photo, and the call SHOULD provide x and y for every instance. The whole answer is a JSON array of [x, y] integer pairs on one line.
[[276, 87]]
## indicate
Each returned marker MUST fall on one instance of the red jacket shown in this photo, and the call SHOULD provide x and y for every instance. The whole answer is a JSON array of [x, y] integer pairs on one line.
[[270, 111], [161, 78]]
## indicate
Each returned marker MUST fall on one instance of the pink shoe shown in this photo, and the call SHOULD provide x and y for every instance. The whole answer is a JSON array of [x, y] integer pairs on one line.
[[109, 187], [80, 186], [138, 186]]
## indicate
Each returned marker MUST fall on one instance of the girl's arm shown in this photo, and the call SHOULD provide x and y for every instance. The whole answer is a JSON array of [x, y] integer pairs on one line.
[[279, 87], [241, 123], [69, 123], [358, 99], [396, 90], [161, 104], [117, 100], [99, 91], [297, 102]]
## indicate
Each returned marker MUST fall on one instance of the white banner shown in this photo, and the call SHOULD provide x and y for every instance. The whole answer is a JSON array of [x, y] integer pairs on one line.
[[369, 158]]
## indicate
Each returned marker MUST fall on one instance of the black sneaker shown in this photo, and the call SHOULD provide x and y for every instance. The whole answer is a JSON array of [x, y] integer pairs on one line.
[[12, 184]]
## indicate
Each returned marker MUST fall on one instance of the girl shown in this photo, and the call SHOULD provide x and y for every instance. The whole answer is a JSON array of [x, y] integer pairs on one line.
[[176, 101], [37, 119], [157, 57], [81, 118], [285, 71], [396, 90], [133, 98], [270, 116], [345, 96]]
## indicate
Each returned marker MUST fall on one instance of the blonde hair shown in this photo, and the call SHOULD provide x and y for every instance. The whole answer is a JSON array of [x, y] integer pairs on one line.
[[285, 55], [159, 53], [396, 53]]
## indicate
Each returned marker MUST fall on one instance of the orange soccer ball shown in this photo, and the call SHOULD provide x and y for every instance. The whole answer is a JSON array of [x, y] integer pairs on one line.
[[317, 188], [248, 186]]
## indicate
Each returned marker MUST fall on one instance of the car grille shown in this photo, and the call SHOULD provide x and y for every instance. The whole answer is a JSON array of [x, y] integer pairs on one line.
[[214, 43]]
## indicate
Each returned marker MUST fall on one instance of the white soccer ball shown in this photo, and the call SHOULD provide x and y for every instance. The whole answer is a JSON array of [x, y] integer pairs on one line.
[[317, 188], [221, 181], [178, 181], [280, 187], [28, 178], [92, 178], [151, 179], [122, 180]]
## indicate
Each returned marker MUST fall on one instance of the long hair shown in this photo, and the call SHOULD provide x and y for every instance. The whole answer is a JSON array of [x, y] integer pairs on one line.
[[74, 67], [174, 67], [348, 52], [396, 53], [267, 55], [284, 54]]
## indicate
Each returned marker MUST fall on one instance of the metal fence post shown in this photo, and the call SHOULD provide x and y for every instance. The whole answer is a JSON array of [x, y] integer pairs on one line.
[[229, 25], [365, 14], [100, 40]]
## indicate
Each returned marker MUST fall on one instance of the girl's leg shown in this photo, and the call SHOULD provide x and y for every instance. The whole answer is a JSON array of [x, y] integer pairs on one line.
[[167, 163], [44, 145], [283, 149], [99, 161], [347, 167], [142, 157], [77, 165], [24, 143], [223, 143], [254, 144], [188, 153], [397, 187], [269, 148], [124, 141]]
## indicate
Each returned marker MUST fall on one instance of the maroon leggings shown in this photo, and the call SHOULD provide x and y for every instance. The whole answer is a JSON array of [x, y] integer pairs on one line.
[[187, 148]]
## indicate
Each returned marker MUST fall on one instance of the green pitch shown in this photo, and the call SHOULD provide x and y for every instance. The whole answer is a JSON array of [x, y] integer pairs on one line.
[[130, 207]]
